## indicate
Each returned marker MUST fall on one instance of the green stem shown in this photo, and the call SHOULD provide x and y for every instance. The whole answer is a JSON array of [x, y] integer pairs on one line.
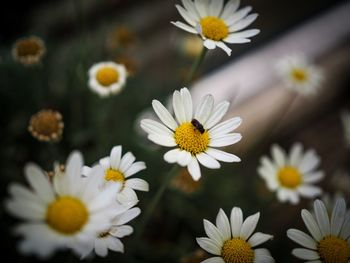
[[155, 200], [196, 65]]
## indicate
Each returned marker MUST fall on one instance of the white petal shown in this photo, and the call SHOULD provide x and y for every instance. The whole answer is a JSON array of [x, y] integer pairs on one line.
[[137, 184], [305, 254], [225, 127], [172, 155], [189, 6], [301, 238], [236, 221], [201, 7], [278, 155], [73, 171], [262, 255], [213, 260], [19, 192], [164, 115], [105, 163], [126, 161], [213, 233], [215, 7], [184, 158], [166, 141], [86, 170], [295, 154], [209, 44], [186, 15], [233, 39], [243, 24], [127, 196], [230, 7], [313, 177], [311, 225], [258, 238], [178, 107], [345, 230], [128, 215], [322, 217], [238, 15], [121, 231], [185, 27], [249, 226], [338, 216], [25, 209], [224, 47], [217, 114], [135, 168], [204, 108], [101, 247], [223, 225], [309, 191], [222, 156], [208, 161], [225, 140], [115, 156], [309, 162], [209, 245], [116, 245], [187, 103], [193, 169], [154, 127]]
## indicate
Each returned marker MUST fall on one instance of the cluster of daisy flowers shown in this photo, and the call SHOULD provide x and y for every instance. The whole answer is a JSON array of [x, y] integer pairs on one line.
[[78, 208]]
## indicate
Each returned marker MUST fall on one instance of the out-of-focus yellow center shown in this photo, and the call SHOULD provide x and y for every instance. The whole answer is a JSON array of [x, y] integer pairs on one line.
[[289, 177], [46, 122], [28, 47], [67, 215], [214, 28], [299, 75], [237, 250], [334, 249], [114, 175], [190, 139], [107, 76]]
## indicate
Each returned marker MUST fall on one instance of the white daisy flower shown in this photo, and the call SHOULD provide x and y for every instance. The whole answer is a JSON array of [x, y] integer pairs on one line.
[[195, 136], [330, 235], [291, 176], [67, 213], [109, 239], [299, 75], [107, 78], [233, 241], [117, 170], [217, 24]]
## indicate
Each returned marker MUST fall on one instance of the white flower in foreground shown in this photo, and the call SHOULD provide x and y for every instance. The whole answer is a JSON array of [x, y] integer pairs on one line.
[[109, 239], [193, 135], [67, 213], [291, 176], [107, 78], [345, 117], [299, 75], [117, 170], [330, 235], [217, 24], [233, 241]]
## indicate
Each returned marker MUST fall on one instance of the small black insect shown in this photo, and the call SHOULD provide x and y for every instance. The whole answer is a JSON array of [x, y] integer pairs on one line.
[[198, 125]]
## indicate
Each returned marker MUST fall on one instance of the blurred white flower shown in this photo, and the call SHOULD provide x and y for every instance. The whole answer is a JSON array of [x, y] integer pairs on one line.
[[233, 241], [291, 176], [67, 213], [299, 75], [330, 234], [195, 136], [217, 24], [345, 117], [107, 78], [117, 170]]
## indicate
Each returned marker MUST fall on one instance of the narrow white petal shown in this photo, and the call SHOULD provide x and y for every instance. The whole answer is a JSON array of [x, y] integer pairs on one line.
[[185, 27], [208, 161], [193, 169], [232, 39], [313, 177], [178, 107], [186, 15], [225, 140], [213, 260], [116, 245], [222, 156], [215, 7], [301, 238], [230, 7], [154, 127], [249, 226], [73, 171], [309, 162], [189, 6], [209, 245], [116, 154], [217, 114], [137, 184], [224, 47], [338, 216], [204, 108], [135, 168], [166, 141], [244, 23], [345, 230], [213, 233], [238, 15], [236, 221], [121, 231], [309, 191], [225, 127], [209, 44], [305, 254], [187, 103], [311, 225], [184, 158], [105, 163], [201, 7], [295, 154], [164, 115], [322, 217], [258, 238], [262, 255], [101, 247], [20, 192], [126, 161], [127, 196], [172, 155], [223, 225], [278, 155], [25, 209], [128, 215]]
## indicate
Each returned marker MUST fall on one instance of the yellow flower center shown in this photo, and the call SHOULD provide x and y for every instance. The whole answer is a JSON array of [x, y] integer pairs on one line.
[[67, 215], [107, 76], [214, 28], [237, 251], [190, 139], [289, 177], [333, 250], [299, 75], [46, 122], [114, 175], [28, 47]]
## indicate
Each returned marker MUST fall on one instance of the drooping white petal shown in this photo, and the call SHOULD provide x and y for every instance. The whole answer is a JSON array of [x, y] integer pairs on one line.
[[224, 47], [217, 114], [311, 225], [222, 156], [208, 161], [322, 217], [302, 238], [305, 254], [338, 216], [164, 115], [209, 44], [137, 184], [223, 225], [204, 108], [172, 155], [209, 245], [193, 169], [185, 27], [249, 226], [236, 221], [258, 238]]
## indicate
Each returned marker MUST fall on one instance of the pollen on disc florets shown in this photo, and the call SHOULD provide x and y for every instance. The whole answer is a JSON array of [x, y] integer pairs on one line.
[[299, 75], [190, 139], [237, 250], [107, 76], [289, 177], [114, 175], [333, 249], [214, 28]]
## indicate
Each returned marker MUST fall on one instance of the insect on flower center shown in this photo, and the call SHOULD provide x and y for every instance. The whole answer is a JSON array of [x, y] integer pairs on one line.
[[333, 249], [107, 76], [190, 139], [66, 215], [289, 177], [237, 250], [46, 122], [299, 75], [28, 47], [214, 28], [114, 175]]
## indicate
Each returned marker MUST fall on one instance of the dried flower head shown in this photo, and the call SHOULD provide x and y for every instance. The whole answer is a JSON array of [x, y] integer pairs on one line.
[[130, 64], [121, 37], [46, 125], [185, 183], [28, 51], [196, 257]]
